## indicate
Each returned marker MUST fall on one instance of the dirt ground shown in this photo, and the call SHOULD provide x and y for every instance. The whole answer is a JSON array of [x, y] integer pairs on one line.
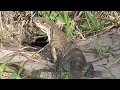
[[110, 38]]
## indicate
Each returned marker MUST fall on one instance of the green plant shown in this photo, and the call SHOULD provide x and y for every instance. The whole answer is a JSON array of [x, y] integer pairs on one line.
[[17, 75], [102, 50], [51, 15], [92, 23], [112, 18], [69, 27], [4, 67]]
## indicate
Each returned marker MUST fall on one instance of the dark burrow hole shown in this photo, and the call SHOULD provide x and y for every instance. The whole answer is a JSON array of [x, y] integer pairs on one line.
[[40, 42], [35, 43]]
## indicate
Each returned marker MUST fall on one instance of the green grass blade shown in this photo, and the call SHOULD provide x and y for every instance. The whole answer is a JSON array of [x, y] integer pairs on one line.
[[2, 66], [65, 14], [85, 25], [21, 68], [8, 60], [92, 18]]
